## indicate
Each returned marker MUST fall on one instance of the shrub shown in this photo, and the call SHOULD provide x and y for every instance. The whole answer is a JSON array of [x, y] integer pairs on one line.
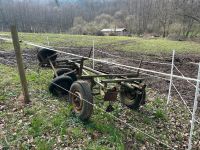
[[99, 33], [175, 29], [112, 34], [176, 37]]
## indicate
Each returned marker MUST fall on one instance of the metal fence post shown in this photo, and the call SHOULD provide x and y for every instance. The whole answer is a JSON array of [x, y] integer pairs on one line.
[[93, 55], [20, 64], [171, 77], [194, 110]]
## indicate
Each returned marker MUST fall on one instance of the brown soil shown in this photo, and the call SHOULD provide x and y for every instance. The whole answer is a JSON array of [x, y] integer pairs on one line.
[[182, 62], [129, 58]]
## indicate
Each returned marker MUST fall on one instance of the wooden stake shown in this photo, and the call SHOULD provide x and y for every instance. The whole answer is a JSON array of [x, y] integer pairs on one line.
[[20, 64]]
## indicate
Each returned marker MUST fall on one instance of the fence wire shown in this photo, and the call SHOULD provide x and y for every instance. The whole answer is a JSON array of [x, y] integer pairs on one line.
[[106, 62], [111, 115], [184, 76], [150, 62], [116, 118], [124, 67]]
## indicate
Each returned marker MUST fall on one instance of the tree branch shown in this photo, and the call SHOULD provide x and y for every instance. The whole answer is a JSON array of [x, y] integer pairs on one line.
[[190, 16]]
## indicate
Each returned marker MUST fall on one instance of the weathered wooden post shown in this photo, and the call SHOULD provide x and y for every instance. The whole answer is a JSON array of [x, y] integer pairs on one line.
[[20, 64]]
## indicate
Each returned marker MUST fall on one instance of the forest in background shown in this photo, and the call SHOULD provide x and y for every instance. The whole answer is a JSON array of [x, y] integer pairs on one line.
[[166, 18]]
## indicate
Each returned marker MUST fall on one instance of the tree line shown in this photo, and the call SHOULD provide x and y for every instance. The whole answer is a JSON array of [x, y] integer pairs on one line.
[[158, 17]]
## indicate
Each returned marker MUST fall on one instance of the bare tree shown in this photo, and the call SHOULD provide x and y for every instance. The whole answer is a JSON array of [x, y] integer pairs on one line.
[[138, 16]]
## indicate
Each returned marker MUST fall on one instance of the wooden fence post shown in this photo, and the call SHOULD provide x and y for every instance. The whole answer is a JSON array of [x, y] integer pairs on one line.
[[20, 64]]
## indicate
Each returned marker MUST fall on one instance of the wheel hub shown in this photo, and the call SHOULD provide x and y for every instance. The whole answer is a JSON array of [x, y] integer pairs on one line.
[[77, 101]]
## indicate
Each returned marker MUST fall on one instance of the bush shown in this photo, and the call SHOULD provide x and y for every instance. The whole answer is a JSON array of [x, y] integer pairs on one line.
[[175, 29], [78, 29], [176, 37], [112, 34], [85, 33], [99, 33]]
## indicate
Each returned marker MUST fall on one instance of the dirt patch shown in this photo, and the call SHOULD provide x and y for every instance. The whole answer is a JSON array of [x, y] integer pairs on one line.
[[178, 125], [131, 59], [29, 57], [182, 62]]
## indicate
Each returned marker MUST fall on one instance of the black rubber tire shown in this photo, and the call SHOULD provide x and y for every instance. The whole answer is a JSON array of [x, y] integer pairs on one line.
[[63, 81], [44, 54], [136, 100], [65, 71], [84, 89]]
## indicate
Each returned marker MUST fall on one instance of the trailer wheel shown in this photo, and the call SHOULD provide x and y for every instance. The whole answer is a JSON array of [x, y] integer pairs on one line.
[[44, 54], [60, 85], [66, 71], [133, 99], [80, 96]]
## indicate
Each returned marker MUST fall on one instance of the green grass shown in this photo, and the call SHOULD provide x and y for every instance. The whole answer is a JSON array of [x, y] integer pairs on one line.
[[48, 123], [110, 42], [161, 45]]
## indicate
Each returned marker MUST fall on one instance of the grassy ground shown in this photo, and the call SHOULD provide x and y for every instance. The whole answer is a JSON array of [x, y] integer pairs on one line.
[[48, 122], [148, 45]]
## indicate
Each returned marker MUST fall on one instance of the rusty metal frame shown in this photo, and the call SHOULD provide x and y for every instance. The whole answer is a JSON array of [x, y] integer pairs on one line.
[[129, 80]]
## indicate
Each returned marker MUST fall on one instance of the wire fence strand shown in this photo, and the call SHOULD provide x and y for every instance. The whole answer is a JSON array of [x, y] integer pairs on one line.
[[110, 63], [150, 62], [126, 67], [184, 76], [116, 118]]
